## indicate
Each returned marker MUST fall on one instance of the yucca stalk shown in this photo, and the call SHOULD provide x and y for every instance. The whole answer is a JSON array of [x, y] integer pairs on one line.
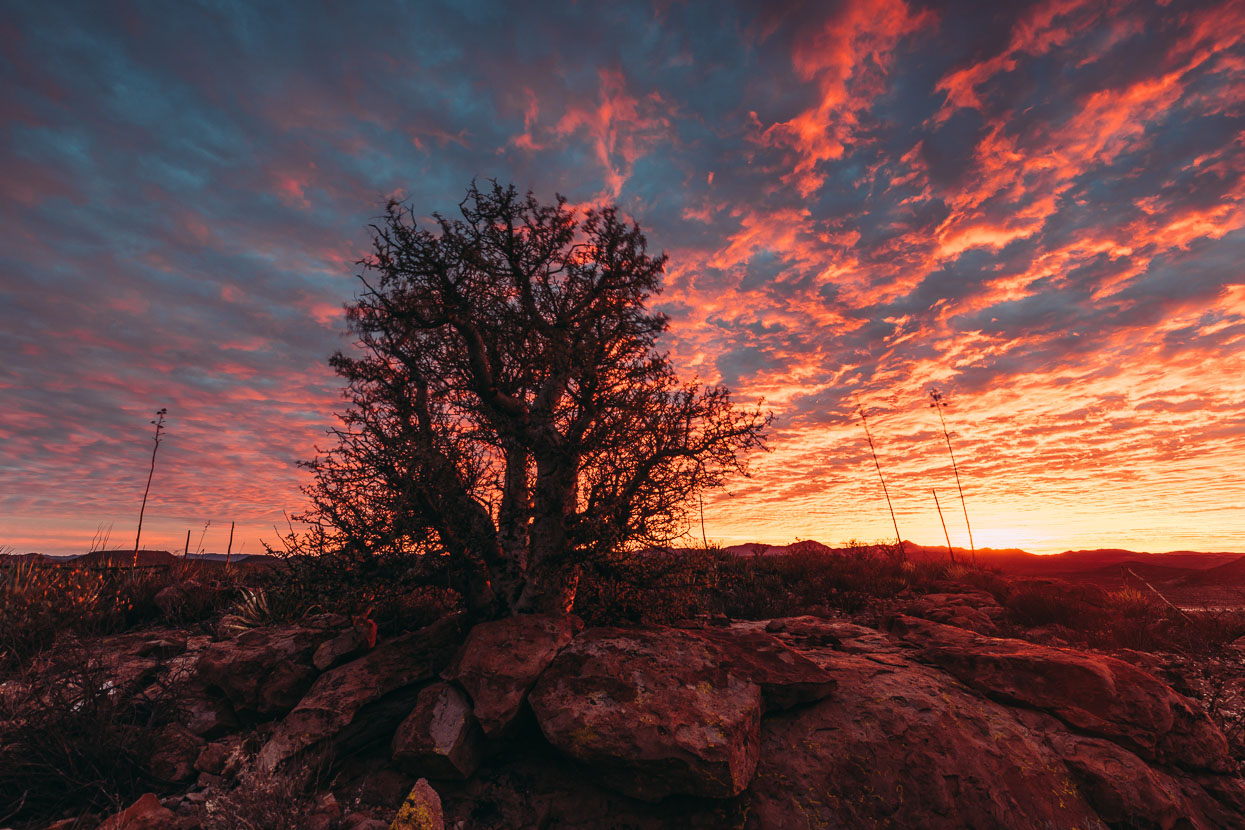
[[938, 405], [869, 436], [945, 534], [159, 422]]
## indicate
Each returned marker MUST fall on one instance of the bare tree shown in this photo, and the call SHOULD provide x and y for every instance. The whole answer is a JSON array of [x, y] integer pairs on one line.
[[509, 413]]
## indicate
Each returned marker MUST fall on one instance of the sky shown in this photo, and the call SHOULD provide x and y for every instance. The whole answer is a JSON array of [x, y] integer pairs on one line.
[[1036, 208]]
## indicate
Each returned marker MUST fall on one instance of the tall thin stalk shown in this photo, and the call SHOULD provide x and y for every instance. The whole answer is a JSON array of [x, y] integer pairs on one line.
[[861, 411], [938, 405], [945, 534], [159, 422], [703, 538]]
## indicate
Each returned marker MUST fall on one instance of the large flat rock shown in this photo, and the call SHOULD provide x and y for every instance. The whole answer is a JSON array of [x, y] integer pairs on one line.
[[652, 712], [1091, 692]]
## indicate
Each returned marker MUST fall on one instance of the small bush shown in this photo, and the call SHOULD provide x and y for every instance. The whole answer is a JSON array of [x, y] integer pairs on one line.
[[1033, 603], [38, 601], [397, 591], [71, 742], [266, 801], [1129, 617], [662, 587]]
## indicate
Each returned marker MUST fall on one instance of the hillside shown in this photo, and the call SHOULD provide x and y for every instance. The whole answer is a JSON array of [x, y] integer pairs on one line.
[[1168, 565]]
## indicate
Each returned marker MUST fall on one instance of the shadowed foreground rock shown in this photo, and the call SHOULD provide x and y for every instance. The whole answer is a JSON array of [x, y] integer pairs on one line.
[[365, 700], [266, 671], [652, 712], [440, 738], [500, 661], [796, 722], [901, 741]]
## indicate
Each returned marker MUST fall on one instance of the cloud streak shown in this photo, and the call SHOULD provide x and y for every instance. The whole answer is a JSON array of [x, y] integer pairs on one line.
[[1038, 210]]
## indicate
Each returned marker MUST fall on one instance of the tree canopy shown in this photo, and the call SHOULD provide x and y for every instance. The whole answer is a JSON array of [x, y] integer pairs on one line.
[[510, 415]]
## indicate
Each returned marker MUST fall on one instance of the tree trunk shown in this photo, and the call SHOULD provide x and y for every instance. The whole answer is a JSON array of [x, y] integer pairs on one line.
[[512, 524], [552, 576]]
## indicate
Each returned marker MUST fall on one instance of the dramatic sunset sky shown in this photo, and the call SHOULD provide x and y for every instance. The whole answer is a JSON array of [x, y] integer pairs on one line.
[[1039, 211]]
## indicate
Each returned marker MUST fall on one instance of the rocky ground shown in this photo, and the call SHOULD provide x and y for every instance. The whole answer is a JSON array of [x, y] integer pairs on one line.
[[926, 719]]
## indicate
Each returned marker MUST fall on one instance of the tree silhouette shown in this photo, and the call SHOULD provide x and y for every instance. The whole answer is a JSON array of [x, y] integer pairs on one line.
[[509, 415]]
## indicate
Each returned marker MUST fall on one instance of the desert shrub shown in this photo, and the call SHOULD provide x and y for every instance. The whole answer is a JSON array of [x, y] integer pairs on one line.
[[1129, 617], [38, 601], [397, 591], [661, 587], [71, 742], [650, 587], [1032, 603], [266, 800]]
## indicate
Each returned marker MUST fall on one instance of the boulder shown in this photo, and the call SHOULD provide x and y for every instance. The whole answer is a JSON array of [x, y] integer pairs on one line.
[[354, 641], [652, 712], [1123, 790], [421, 810], [903, 742], [176, 749], [204, 713], [362, 701], [163, 648], [1093, 693], [500, 661], [976, 611], [148, 814], [224, 758], [440, 738], [903, 745], [786, 677], [264, 671]]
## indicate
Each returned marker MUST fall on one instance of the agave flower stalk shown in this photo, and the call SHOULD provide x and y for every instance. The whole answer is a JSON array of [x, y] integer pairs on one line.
[[159, 422], [945, 534], [938, 405], [869, 436]]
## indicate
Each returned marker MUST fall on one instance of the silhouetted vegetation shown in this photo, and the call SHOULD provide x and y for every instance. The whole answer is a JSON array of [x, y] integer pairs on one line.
[[71, 741], [40, 602], [510, 415]]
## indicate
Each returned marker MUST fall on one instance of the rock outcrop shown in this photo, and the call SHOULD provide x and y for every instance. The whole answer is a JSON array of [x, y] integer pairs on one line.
[[652, 712], [500, 661], [1091, 693], [914, 733], [977, 611], [365, 700], [802, 721], [266, 671], [441, 737], [148, 814]]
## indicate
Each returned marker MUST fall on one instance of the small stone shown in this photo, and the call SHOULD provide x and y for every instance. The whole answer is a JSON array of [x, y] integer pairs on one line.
[[421, 810], [146, 814]]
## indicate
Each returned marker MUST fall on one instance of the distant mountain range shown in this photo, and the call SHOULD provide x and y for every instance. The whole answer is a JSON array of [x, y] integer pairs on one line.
[[118, 558], [1193, 567], [1168, 565]]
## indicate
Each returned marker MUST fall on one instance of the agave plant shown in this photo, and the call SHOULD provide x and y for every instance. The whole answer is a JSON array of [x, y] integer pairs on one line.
[[249, 611]]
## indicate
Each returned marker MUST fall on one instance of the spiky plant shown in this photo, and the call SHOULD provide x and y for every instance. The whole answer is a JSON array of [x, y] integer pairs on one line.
[[251, 610]]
